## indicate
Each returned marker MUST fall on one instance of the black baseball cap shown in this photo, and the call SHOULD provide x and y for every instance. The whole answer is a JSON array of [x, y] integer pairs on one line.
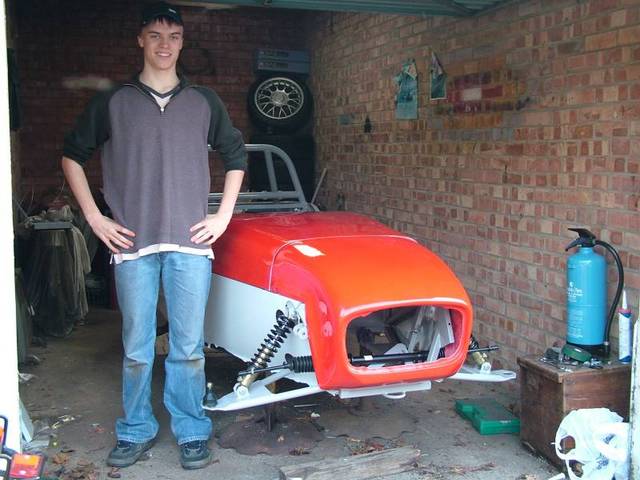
[[156, 10]]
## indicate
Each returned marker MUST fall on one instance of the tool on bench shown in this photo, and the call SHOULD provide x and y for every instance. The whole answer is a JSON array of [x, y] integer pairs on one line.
[[553, 356]]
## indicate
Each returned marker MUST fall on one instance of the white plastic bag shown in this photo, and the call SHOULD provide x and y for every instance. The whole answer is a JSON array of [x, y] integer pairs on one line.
[[587, 428], [612, 440]]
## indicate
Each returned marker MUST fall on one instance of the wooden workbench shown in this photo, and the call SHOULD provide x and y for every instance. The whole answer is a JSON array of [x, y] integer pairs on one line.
[[548, 394]]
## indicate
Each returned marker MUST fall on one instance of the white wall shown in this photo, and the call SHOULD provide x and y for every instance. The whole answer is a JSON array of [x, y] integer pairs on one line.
[[9, 403]]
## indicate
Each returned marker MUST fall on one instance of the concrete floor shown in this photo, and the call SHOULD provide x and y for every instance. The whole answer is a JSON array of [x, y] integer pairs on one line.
[[80, 377]]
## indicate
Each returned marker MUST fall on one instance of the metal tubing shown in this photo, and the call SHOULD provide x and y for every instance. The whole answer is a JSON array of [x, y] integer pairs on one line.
[[271, 171], [394, 357]]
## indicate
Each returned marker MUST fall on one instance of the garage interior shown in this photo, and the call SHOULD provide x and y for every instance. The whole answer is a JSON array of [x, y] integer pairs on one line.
[[536, 132]]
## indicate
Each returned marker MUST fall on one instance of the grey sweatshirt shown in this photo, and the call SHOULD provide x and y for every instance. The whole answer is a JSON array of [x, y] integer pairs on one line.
[[155, 163]]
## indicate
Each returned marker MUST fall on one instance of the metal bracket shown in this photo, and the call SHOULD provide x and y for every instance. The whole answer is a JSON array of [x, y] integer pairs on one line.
[[476, 375]]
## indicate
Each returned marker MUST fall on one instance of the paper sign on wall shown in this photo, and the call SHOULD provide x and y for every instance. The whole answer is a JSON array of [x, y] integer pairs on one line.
[[438, 79], [407, 95]]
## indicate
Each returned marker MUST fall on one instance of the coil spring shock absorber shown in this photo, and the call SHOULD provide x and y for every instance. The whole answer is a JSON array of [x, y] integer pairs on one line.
[[269, 347]]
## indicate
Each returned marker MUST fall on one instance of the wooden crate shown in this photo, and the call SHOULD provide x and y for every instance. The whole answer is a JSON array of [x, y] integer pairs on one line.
[[547, 395]]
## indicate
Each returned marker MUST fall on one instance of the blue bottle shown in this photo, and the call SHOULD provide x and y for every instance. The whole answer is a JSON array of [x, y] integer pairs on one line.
[[588, 324], [586, 297]]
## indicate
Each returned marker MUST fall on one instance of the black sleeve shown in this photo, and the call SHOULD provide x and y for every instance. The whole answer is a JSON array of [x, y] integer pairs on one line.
[[223, 137], [91, 130]]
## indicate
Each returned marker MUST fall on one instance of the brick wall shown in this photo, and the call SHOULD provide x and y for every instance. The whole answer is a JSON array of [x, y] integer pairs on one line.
[[60, 43], [539, 132]]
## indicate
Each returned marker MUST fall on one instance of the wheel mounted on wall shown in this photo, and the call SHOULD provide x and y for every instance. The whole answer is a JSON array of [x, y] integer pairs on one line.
[[280, 103]]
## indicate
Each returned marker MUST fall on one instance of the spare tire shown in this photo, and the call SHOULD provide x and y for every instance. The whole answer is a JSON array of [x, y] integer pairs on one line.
[[279, 103]]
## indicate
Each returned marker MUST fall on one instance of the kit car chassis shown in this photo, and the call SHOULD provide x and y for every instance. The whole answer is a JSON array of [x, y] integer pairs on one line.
[[334, 301]]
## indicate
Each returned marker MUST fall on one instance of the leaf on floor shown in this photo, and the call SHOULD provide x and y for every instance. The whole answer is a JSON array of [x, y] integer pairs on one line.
[[60, 459], [299, 451], [84, 470], [114, 473]]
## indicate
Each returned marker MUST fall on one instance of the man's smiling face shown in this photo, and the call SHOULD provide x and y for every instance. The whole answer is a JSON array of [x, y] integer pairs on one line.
[[161, 42]]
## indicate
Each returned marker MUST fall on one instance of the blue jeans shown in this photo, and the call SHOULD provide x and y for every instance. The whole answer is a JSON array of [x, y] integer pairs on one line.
[[186, 280]]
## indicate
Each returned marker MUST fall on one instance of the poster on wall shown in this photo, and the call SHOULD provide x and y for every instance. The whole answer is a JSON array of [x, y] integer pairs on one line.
[[407, 94], [438, 79]]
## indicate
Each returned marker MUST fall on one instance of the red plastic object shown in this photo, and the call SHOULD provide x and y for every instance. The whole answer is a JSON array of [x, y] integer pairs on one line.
[[344, 266], [26, 467]]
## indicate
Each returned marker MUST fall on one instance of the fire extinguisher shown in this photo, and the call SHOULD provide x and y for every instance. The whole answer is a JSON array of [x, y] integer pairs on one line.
[[587, 322]]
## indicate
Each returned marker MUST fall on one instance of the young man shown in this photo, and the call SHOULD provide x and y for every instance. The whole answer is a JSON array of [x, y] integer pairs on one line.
[[153, 133]]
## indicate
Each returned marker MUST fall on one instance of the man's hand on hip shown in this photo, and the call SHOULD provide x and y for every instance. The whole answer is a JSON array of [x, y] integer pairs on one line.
[[110, 232], [210, 229]]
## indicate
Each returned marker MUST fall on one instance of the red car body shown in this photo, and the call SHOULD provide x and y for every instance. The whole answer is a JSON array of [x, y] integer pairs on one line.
[[364, 266]]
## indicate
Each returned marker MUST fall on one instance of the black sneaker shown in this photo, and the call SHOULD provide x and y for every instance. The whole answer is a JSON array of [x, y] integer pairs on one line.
[[195, 454], [127, 453]]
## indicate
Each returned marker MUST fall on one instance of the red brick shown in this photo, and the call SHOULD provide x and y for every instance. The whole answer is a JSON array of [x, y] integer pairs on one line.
[[598, 6], [620, 146], [584, 131], [629, 36], [612, 56], [601, 41], [633, 73], [570, 47], [618, 18], [580, 97]]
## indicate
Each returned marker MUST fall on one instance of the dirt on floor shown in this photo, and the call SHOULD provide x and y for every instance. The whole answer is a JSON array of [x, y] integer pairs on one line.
[[74, 398]]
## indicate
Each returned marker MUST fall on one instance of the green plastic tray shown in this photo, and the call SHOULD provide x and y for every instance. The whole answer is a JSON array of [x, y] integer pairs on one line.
[[487, 416]]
